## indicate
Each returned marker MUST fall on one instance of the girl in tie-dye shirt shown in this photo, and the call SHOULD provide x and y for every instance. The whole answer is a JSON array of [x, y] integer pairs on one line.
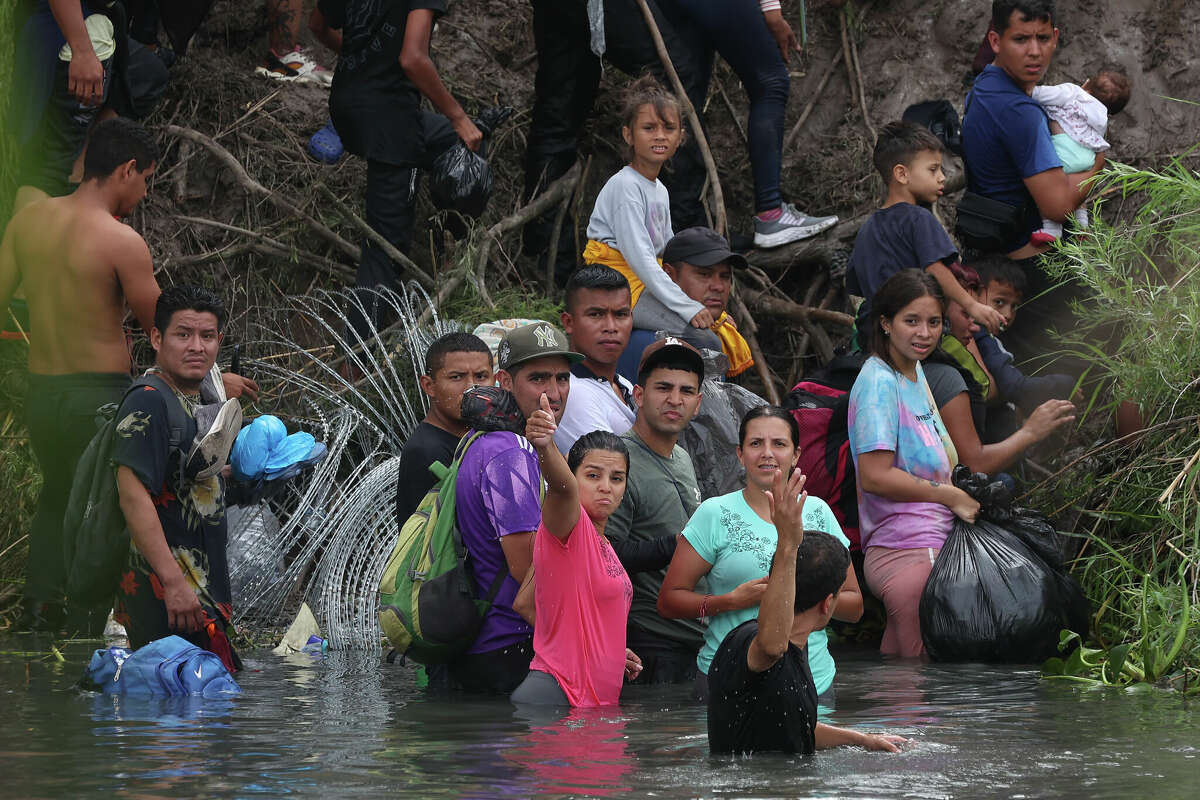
[[903, 455]]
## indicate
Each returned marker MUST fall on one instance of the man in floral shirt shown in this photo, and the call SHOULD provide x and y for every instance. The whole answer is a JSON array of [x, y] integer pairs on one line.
[[177, 576]]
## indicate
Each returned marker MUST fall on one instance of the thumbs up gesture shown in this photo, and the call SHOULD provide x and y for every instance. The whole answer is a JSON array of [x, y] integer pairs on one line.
[[540, 427]]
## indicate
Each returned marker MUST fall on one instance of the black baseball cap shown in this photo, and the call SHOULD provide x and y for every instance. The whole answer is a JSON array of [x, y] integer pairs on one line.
[[701, 247], [670, 348]]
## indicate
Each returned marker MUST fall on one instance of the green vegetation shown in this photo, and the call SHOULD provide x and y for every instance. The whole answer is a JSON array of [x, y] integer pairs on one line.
[[19, 479], [1137, 500]]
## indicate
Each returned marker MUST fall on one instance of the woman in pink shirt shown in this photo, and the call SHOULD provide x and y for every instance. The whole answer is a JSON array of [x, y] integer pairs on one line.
[[581, 592]]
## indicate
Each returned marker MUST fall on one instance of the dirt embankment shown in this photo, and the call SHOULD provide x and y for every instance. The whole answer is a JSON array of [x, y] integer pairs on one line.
[[909, 51]]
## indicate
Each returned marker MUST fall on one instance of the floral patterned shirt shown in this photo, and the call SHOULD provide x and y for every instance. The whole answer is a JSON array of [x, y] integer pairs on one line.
[[192, 514]]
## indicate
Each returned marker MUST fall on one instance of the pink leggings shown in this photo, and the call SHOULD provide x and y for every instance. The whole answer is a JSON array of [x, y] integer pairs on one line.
[[897, 577]]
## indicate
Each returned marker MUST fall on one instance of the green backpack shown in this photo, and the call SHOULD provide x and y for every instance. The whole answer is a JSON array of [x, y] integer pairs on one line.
[[95, 537], [428, 607]]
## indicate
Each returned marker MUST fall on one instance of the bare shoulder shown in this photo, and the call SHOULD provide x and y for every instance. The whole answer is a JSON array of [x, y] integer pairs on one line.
[[121, 245]]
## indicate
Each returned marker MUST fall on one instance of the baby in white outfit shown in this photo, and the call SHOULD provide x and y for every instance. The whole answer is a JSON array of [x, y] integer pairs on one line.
[[1078, 121]]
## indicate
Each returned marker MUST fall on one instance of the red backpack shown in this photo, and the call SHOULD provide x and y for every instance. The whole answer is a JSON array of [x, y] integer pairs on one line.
[[821, 412]]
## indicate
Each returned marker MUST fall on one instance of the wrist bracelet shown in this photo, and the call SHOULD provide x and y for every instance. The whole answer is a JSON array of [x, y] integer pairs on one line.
[[704, 609]]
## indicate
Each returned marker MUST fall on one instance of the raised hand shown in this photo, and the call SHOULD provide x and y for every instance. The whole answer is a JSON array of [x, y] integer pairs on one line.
[[787, 506], [540, 427]]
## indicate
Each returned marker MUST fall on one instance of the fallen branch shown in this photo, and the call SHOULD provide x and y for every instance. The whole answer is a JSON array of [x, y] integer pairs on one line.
[[855, 77], [389, 249], [721, 225], [812, 101], [248, 183], [780, 307], [554, 193], [264, 245], [575, 197], [749, 329]]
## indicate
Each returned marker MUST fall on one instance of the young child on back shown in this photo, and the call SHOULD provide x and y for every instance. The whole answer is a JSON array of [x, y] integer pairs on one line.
[[1002, 287], [631, 221], [1078, 121], [903, 233]]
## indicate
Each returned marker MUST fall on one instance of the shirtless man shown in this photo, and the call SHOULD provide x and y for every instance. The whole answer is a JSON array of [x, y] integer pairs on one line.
[[78, 267]]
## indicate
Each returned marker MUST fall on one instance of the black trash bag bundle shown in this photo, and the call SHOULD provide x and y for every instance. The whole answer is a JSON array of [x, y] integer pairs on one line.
[[461, 180], [998, 592]]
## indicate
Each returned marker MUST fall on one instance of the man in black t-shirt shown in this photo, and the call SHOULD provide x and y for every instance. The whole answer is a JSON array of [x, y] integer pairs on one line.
[[177, 577], [453, 363], [383, 69], [761, 693]]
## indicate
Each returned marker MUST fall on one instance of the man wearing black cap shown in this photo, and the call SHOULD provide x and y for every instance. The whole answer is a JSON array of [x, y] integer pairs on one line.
[[700, 262], [659, 498], [498, 508]]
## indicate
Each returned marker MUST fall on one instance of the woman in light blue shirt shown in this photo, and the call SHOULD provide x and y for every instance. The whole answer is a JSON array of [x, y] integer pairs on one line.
[[730, 541]]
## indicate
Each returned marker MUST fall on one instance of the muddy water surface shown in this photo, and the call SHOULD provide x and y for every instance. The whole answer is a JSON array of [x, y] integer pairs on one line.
[[350, 725]]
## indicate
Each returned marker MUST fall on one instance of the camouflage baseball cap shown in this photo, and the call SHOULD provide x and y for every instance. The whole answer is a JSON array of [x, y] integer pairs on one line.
[[528, 342]]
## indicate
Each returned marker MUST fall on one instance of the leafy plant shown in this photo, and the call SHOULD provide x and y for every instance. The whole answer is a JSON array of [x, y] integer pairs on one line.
[[1137, 501]]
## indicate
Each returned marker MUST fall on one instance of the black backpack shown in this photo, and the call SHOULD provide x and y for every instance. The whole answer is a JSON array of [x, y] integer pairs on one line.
[[941, 119], [95, 541]]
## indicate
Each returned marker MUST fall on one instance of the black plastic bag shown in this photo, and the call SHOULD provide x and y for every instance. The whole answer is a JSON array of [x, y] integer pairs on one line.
[[461, 181], [990, 598], [711, 438], [998, 592]]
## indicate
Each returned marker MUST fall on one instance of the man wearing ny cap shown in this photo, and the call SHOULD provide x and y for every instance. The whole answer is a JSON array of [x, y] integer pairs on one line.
[[498, 496], [700, 262], [659, 498]]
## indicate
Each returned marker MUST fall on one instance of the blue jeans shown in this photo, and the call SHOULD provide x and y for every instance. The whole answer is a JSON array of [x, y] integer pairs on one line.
[[736, 30]]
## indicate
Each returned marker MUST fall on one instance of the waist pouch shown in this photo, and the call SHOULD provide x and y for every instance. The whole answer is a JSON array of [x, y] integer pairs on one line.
[[988, 225]]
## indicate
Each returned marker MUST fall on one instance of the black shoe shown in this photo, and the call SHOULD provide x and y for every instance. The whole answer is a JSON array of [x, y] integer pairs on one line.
[[38, 616]]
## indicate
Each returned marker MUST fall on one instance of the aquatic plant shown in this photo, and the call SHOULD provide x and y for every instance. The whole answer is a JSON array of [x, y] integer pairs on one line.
[[1136, 501]]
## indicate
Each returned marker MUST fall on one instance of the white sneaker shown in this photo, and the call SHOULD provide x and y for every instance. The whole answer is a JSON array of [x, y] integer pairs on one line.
[[1082, 220], [792, 226], [294, 67]]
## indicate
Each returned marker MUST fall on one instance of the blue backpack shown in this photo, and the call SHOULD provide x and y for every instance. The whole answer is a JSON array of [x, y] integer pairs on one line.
[[171, 666]]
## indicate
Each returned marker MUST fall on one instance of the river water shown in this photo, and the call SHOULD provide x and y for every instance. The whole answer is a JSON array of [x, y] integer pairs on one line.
[[351, 725]]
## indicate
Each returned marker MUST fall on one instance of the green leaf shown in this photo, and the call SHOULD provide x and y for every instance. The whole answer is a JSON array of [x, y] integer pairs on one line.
[[1116, 660], [1053, 666], [1075, 664]]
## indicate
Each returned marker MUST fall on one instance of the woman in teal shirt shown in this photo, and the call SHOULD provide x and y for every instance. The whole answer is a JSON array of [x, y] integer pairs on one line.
[[730, 540]]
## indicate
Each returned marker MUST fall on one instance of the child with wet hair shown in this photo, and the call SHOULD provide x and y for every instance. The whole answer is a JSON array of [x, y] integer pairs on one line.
[[1078, 121], [631, 221]]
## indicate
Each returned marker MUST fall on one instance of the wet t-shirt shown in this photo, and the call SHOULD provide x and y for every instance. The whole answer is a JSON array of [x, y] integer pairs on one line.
[[755, 712], [890, 412], [582, 595], [426, 444], [498, 493], [740, 545], [373, 101], [192, 514]]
